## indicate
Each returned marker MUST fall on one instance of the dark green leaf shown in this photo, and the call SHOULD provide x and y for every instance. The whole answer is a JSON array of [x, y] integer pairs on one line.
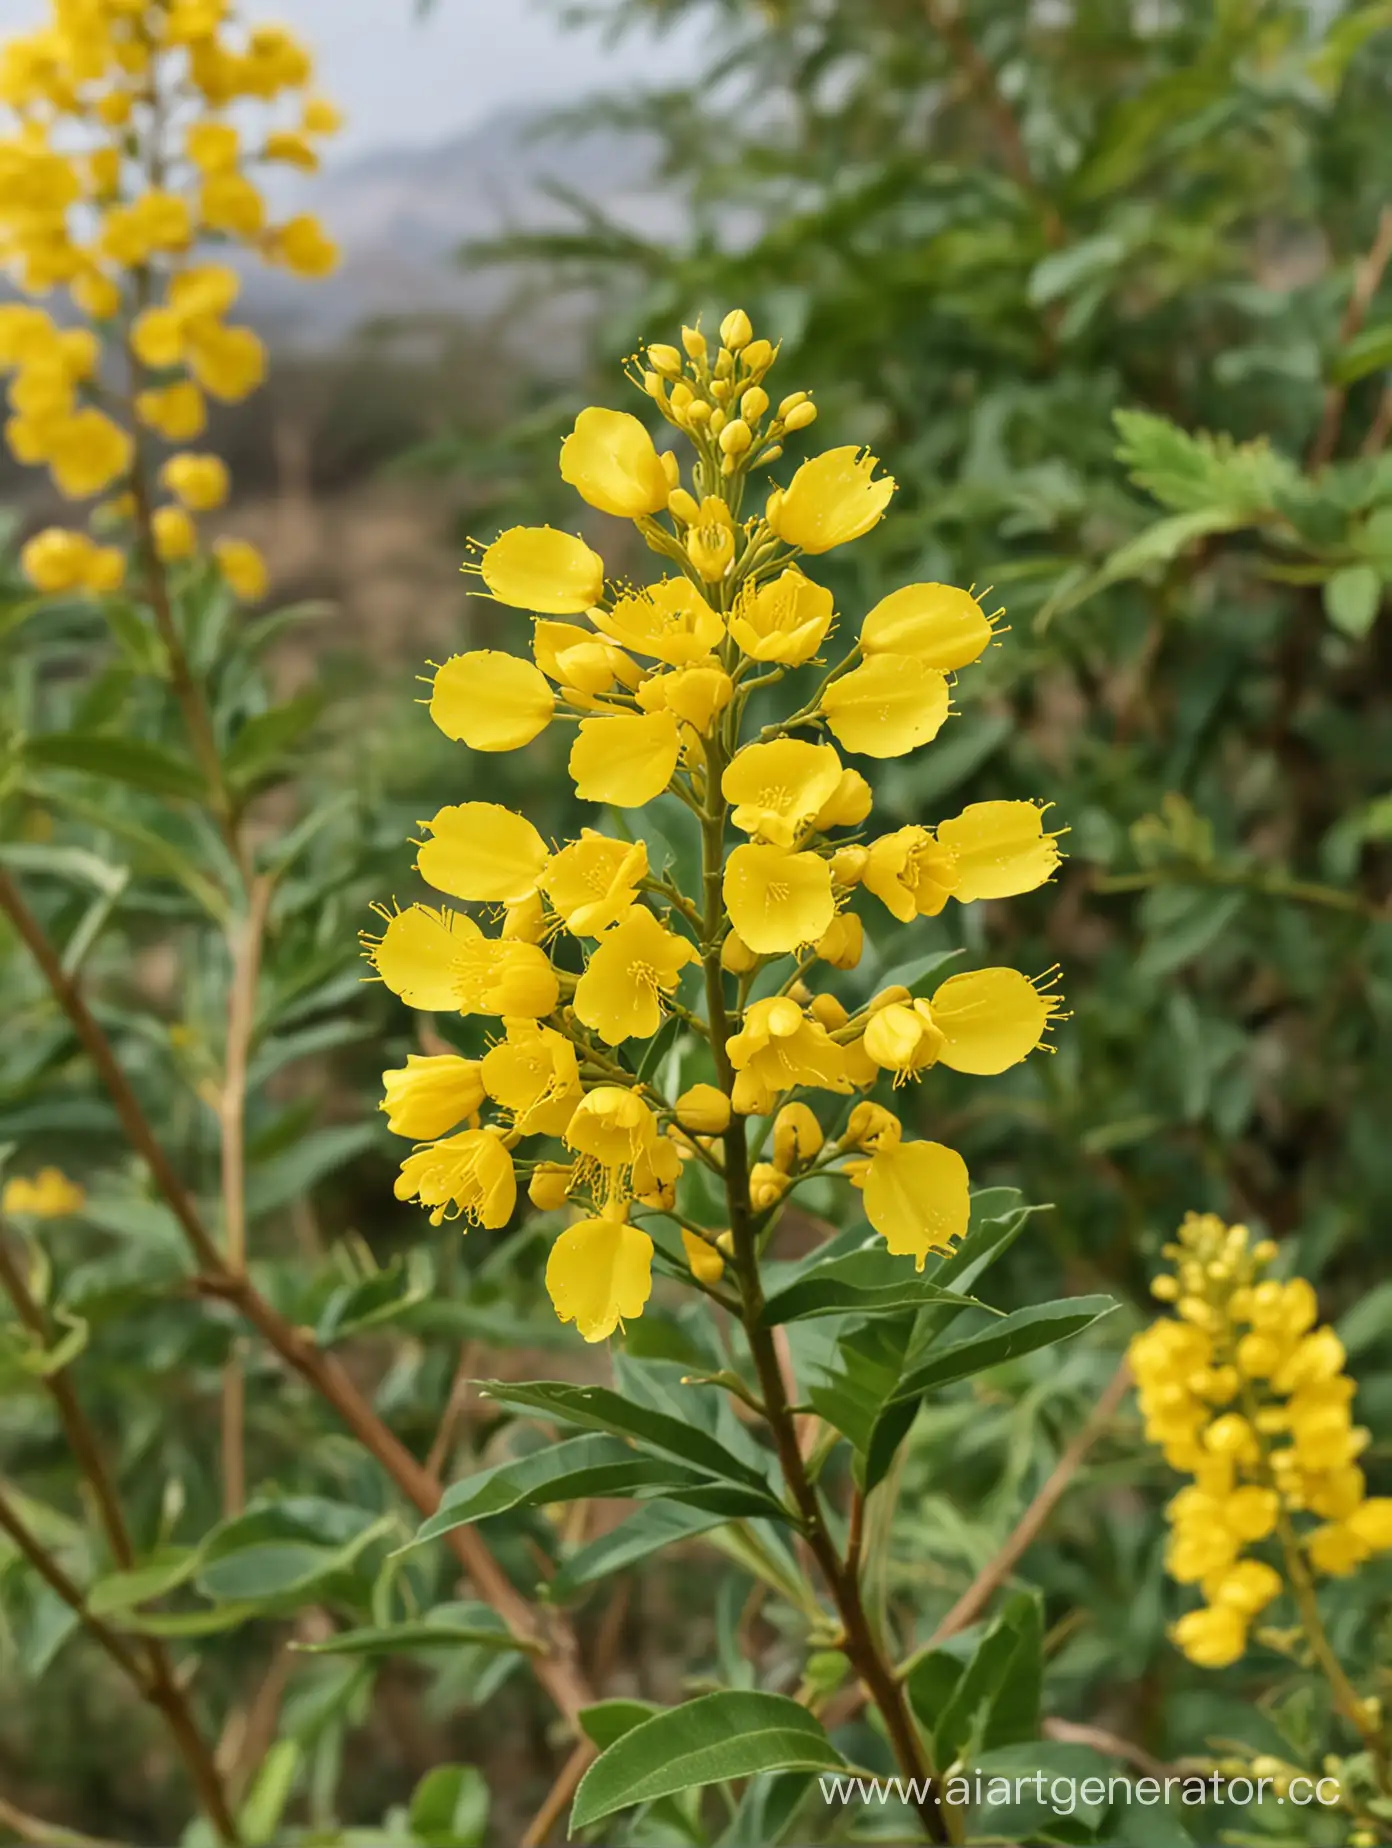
[[259, 748], [647, 1531], [707, 1741], [449, 1808], [121, 760], [448, 1626], [862, 1282]]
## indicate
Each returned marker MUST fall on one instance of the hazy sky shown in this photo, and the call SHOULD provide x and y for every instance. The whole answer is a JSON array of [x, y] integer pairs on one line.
[[401, 80]]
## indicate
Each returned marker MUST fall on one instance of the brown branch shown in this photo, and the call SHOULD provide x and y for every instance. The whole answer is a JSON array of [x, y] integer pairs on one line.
[[559, 1795], [556, 1662], [158, 1681], [1027, 1529], [443, 1441], [979, 79], [48, 1834], [1381, 427], [1367, 275], [67, 1591], [245, 944], [1112, 1745]]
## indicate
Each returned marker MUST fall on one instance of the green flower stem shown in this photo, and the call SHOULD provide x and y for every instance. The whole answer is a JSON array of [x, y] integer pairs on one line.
[[842, 1579]]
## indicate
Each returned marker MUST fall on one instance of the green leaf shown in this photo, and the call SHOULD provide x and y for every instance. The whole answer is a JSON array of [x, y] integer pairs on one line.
[[119, 760], [449, 1807], [374, 1301], [993, 1699], [645, 1532], [265, 1805], [1368, 351], [1352, 598], [156, 854], [1023, 1332], [188, 1623], [1063, 271], [301, 1167], [609, 1720], [162, 1572], [259, 748], [919, 975], [595, 1408], [448, 1626], [707, 1741], [860, 1283], [277, 1552], [580, 1468]]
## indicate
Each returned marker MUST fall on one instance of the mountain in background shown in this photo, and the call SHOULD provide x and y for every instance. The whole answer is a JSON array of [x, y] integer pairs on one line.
[[402, 215]]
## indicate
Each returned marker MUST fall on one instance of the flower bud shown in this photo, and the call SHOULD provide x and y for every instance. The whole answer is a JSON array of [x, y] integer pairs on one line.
[[758, 356], [829, 1011], [766, 1186], [724, 364], [871, 1126], [726, 1243], [800, 416], [896, 995], [699, 412], [790, 403], [848, 866], [754, 403], [654, 386], [694, 341], [717, 419], [704, 1110], [736, 330], [736, 955], [750, 1096], [666, 360], [797, 1138], [707, 1265], [720, 391], [683, 506], [843, 941], [547, 1188], [525, 922], [736, 437], [681, 399]]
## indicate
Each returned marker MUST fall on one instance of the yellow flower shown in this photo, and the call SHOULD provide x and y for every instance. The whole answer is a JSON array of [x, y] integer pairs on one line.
[[533, 1074], [710, 539], [870, 1126], [632, 967], [777, 789], [49, 1195], [599, 1272], [418, 953], [778, 1048], [938, 625], [537, 568], [230, 202], [505, 977], [912, 874], [304, 247], [990, 1019], [228, 362], [175, 412], [291, 149], [847, 806], [611, 1131], [887, 707], [777, 900], [175, 534], [830, 501], [243, 568], [1214, 1636], [483, 852], [916, 1198], [1000, 848], [213, 147], [427, 1096], [87, 452], [56, 560], [903, 1038], [670, 620], [625, 761], [698, 693], [107, 570], [703, 1110], [1248, 1586], [610, 460], [592, 882], [491, 701], [200, 482], [577, 660], [320, 116], [549, 1187], [784, 621], [159, 337], [471, 1172]]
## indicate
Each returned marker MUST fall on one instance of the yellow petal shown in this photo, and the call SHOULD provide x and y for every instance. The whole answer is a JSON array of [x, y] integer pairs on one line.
[[484, 852], [631, 968], [471, 1172], [916, 1198], [610, 460], [831, 500], [778, 900], [937, 624], [887, 707], [670, 620], [990, 1019], [594, 880], [784, 621], [1001, 850], [777, 788], [537, 568], [625, 761], [417, 954], [491, 701], [599, 1272], [427, 1096]]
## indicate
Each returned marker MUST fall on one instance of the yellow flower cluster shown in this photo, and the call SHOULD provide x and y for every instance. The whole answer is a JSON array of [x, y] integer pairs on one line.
[[1245, 1393], [598, 947], [118, 162], [48, 1195]]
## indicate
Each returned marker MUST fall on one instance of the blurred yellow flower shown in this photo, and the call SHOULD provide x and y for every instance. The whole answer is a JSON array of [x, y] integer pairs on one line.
[[48, 1195], [200, 481], [243, 568]]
